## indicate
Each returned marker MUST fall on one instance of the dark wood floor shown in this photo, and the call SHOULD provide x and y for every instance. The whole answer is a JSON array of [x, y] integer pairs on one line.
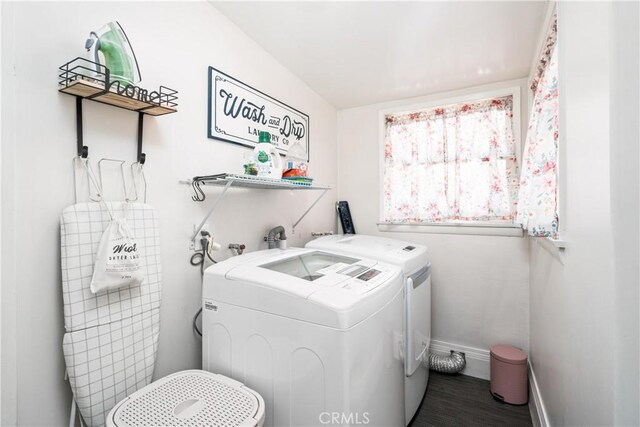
[[460, 400]]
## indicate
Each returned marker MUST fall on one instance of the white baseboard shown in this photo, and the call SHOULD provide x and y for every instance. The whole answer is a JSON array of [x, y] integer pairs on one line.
[[477, 358], [536, 405]]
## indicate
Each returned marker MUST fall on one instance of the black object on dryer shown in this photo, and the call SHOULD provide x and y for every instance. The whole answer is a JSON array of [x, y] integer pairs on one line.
[[345, 217]]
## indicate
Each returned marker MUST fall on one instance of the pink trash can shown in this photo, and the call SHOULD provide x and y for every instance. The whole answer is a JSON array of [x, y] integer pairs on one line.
[[509, 375]]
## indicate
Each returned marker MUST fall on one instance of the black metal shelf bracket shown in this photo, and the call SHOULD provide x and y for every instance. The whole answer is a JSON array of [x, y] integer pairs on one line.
[[141, 156], [83, 150]]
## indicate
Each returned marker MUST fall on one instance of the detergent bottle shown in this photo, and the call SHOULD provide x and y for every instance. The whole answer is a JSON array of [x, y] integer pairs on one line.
[[266, 157], [295, 163]]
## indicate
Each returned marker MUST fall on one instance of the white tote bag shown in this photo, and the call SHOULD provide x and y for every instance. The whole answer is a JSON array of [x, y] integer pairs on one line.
[[118, 258]]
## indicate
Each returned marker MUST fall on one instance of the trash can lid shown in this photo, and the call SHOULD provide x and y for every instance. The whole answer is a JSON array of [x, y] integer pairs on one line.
[[508, 354]]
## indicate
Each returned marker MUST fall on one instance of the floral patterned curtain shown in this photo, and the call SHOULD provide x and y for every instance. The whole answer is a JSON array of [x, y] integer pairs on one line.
[[451, 164], [537, 200], [547, 52]]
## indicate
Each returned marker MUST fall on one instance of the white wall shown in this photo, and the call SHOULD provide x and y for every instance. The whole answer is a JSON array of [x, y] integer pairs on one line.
[[480, 291], [1, 416], [625, 149], [584, 312], [174, 43], [7, 216]]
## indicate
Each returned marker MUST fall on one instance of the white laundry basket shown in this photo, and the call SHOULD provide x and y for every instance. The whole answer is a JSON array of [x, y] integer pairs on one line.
[[190, 398]]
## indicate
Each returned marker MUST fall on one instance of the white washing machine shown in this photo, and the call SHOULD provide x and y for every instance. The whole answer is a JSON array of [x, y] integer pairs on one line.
[[317, 334], [414, 261]]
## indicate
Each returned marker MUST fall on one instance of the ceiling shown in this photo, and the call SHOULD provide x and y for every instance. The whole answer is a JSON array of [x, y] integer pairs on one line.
[[359, 53]]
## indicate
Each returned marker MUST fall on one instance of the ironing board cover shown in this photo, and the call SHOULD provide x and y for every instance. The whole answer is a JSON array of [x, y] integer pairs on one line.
[[111, 338]]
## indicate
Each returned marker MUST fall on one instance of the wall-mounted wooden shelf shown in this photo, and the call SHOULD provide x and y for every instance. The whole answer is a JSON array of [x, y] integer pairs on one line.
[[89, 89], [90, 80]]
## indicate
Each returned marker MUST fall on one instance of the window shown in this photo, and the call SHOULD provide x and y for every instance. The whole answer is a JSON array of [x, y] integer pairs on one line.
[[451, 164]]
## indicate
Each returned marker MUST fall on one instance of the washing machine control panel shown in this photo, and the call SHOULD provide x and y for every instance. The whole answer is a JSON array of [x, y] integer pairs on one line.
[[370, 278], [354, 270]]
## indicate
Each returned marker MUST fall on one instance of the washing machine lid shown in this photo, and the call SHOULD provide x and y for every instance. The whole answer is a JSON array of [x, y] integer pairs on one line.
[[301, 272], [305, 284], [312, 266], [408, 256]]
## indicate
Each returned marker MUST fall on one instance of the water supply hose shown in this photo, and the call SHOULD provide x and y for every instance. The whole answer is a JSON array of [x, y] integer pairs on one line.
[[451, 364], [197, 260]]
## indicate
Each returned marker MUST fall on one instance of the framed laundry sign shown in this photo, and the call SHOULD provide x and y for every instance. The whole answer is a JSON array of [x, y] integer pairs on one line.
[[238, 112]]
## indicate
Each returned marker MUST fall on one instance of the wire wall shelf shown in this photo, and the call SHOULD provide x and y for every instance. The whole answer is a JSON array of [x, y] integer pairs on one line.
[[226, 180], [251, 181]]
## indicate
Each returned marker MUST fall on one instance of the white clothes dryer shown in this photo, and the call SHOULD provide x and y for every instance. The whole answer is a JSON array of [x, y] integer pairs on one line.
[[414, 261], [317, 334]]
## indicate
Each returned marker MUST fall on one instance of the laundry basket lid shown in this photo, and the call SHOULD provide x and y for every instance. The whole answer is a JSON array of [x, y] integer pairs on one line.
[[190, 398]]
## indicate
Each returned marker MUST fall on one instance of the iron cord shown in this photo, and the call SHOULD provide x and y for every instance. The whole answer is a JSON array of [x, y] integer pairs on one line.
[[198, 259], [195, 322]]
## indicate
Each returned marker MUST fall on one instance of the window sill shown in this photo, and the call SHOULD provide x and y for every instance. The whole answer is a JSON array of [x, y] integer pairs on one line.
[[555, 247], [507, 230]]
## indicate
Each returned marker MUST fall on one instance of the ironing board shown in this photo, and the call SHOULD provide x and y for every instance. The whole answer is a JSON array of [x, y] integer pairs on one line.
[[111, 338]]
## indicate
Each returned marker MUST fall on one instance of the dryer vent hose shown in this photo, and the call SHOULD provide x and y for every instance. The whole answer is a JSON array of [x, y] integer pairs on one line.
[[451, 364]]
